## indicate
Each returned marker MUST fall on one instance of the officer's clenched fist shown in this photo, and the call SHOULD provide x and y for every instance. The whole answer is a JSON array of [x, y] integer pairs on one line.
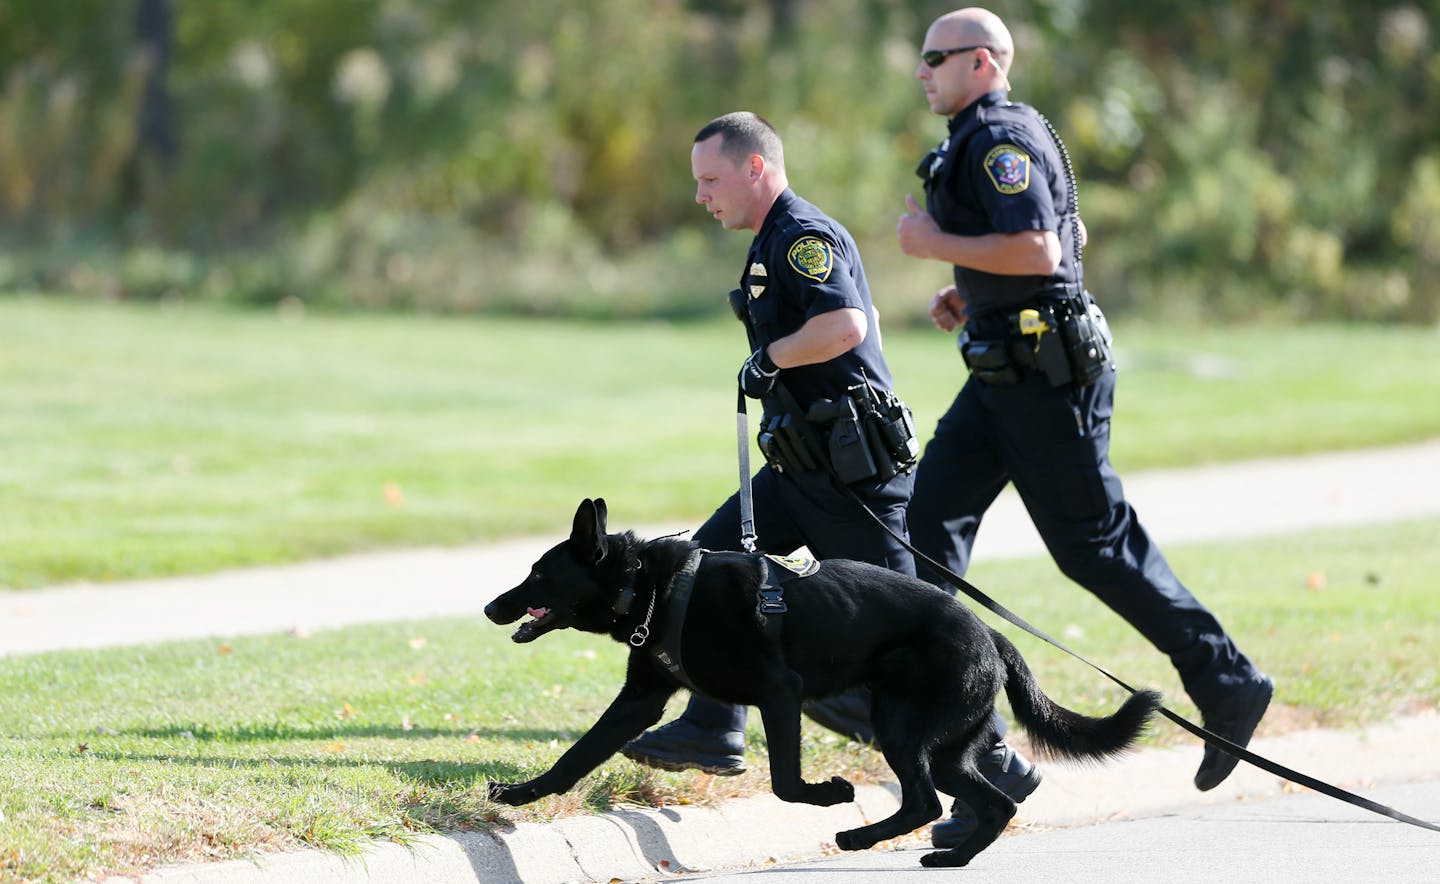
[[757, 375]]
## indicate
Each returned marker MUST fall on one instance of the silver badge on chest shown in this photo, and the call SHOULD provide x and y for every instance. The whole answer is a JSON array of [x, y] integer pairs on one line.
[[758, 279]]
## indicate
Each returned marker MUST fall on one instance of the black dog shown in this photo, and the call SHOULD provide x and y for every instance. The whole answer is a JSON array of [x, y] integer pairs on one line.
[[933, 669]]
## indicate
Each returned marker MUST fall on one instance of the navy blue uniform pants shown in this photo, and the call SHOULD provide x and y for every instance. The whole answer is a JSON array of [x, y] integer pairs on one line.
[[1053, 443], [808, 510]]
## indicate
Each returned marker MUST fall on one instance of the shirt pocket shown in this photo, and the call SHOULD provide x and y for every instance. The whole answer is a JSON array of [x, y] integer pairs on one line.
[[765, 310]]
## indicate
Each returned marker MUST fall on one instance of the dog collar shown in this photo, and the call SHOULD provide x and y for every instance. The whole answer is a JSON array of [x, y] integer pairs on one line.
[[626, 598]]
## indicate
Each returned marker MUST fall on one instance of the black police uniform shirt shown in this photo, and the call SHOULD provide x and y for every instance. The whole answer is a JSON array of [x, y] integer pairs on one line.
[[1000, 171], [801, 264]]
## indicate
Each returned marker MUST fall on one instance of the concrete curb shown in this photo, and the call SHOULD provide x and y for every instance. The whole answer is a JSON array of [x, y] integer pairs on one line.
[[627, 844], [752, 832]]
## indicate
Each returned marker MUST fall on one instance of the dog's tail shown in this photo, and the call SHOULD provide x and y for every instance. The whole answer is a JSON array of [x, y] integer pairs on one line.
[[1061, 733]]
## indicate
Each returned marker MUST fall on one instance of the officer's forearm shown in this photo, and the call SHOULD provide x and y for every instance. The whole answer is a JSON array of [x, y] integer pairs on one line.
[[821, 338], [1026, 253]]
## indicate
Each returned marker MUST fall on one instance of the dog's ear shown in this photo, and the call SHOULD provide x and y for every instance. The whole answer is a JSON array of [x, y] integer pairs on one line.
[[587, 535], [601, 514]]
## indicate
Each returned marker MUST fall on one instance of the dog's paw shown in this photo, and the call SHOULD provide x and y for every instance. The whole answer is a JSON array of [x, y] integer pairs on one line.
[[836, 790], [946, 859], [513, 794], [853, 839]]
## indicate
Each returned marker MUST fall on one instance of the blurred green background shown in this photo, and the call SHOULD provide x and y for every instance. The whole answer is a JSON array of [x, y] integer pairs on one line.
[[1245, 159]]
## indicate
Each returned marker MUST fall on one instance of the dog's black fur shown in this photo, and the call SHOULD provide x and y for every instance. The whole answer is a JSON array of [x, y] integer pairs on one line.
[[933, 669]]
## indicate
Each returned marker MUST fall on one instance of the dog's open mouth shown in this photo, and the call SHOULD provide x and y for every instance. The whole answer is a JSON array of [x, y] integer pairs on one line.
[[543, 622]]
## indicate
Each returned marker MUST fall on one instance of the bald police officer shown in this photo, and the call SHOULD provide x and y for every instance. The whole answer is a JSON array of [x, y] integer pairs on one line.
[[1036, 408]]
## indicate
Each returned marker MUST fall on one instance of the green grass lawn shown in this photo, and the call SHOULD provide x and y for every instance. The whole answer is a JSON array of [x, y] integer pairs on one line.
[[146, 440], [119, 760], [152, 440]]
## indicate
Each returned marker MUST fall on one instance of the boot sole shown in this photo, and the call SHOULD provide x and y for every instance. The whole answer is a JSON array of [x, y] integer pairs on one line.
[[725, 769]]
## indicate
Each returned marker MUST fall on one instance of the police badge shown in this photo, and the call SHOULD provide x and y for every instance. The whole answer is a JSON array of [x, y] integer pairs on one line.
[[758, 278]]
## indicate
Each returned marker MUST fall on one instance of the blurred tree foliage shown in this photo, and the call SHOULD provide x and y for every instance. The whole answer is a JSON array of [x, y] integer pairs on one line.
[[1237, 158]]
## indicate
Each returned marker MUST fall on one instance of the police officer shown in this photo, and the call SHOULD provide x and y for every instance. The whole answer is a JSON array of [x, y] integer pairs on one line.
[[1036, 408], [812, 325]]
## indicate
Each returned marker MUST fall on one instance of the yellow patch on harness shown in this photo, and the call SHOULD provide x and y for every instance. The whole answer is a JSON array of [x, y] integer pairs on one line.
[[800, 566]]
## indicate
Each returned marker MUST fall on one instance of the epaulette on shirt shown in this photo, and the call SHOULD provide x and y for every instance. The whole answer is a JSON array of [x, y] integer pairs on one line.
[[1007, 162]]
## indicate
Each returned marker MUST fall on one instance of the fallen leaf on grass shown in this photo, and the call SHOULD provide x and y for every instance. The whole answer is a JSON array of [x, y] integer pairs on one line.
[[335, 747], [347, 711], [394, 495], [1316, 581], [224, 649]]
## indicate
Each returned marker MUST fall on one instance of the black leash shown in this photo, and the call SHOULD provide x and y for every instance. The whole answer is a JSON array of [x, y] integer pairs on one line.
[[1213, 739], [747, 498]]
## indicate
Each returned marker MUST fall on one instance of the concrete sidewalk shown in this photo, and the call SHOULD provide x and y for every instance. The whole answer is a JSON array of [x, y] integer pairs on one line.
[[1244, 499]]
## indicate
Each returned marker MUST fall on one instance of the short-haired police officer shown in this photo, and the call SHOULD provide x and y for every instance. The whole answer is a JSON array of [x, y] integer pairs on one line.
[[816, 363]]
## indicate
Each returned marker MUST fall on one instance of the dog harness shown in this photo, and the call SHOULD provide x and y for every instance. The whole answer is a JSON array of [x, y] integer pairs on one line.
[[770, 604], [772, 599], [668, 652]]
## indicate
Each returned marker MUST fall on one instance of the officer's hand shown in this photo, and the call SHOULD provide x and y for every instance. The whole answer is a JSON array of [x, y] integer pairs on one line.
[[915, 229], [757, 375], [948, 309]]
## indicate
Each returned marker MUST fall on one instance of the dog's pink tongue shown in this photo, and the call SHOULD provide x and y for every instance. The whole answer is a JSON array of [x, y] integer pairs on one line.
[[537, 613]]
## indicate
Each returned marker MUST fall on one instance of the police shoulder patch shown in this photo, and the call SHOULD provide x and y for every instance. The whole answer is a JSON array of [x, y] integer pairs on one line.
[[1008, 167], [800, 566], [812, 257]]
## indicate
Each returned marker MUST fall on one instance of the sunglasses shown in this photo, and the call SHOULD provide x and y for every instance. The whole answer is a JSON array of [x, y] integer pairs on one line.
[[935, 57]]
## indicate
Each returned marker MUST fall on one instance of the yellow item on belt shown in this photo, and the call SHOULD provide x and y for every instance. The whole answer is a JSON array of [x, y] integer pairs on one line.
[[1032, 324]]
